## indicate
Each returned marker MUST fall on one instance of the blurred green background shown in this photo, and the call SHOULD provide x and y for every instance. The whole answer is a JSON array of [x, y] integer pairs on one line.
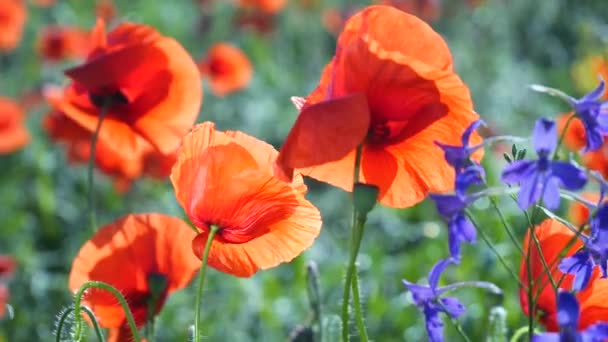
[[499, 47]]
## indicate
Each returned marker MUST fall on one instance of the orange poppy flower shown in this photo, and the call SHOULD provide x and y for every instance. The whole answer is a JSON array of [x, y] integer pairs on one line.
[[7, 267], [265, 6], [575, 136], [395, 95], [554, 238], [13, 14], [228, 179], [429, 10], [150, 250], [153, 86], [13, 134], [105, 10], [227, 67], [56, 43]]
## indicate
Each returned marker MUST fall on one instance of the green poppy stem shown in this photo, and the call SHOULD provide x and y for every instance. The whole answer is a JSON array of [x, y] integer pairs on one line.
[[107, 287], [92, 317], [201, 283], [90, 174]]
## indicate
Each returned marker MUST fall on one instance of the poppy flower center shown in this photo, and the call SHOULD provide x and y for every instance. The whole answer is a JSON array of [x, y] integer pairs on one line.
[[113, 97], [218, 67], [386, 132]]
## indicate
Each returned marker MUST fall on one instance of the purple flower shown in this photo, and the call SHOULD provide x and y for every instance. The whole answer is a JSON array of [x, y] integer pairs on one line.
[[459, 156], [594, 116], [427, 299], [452, 206], [543, 177], [567, 318], [581, 265]]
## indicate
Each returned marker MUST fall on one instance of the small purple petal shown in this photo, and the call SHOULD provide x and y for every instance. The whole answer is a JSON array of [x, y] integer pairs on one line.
[[567, 310], [581, 265], [420, 293], [596, 93], [452, 306], [530, 192], [518, 171], [571, 177], [551, 193], [546, 337], [596, 332], [544, 137], [467, 133], [474, 174], [436, 271], [449, 205], [456, 156], [434, 325]]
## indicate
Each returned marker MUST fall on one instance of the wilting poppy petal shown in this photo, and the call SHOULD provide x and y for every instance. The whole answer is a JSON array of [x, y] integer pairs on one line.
[[13, 134], [13, 14], [229, 180], [413, 99], [227, 68], [553, 238], [145, 248], [151, 82]]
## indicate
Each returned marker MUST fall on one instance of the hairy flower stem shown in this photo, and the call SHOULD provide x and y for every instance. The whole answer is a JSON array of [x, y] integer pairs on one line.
[[201, 283], [115, 293], [355, 243], [90, 179], [92, 317], [357, 306]]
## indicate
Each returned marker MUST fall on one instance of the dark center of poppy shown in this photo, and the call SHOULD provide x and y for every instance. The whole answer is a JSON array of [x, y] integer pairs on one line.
[[385, 132], [112, 98], [218, 67]]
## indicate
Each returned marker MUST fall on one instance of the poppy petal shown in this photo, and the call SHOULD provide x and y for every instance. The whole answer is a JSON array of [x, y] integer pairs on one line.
[[335, 127]]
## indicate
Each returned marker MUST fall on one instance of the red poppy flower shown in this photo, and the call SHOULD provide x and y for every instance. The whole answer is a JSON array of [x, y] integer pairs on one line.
[[7, 267], [264, 6], [390, 86], [56, 43], [260, 22], [150, 250], [228, 179], [227, 67], [145, 162], [429, 10], [13, 14], [579, 213], [153, 86], [13, 134], [554, 237]]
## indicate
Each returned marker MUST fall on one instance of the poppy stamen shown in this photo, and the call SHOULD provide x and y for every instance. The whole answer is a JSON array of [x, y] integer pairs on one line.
[[115, 97]]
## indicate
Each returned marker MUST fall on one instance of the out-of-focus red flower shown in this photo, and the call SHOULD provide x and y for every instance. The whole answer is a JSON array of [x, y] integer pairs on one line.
[[7, 267], [554, 237], [56, 43], [13, 14], [227, 68], [264, 6], [13, 133], [147, 84], [428, 10], [390, 87], [229, 179], [333, 19], [106, 10], [260, 22], [153, 255]]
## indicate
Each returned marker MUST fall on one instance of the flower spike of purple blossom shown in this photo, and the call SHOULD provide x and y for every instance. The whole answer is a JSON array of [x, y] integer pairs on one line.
[[459, 156], [452, 206], [592, 112], [568, 312], [543, 177], [427, 299]]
